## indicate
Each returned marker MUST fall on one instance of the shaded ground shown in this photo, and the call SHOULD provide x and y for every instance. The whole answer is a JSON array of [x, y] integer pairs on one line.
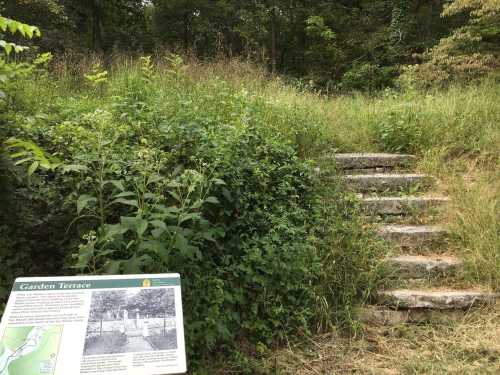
[[137, 344], [108, 343], [164, 342]]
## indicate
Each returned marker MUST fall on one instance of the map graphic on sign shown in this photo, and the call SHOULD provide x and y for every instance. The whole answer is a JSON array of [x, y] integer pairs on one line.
[[29, 350]]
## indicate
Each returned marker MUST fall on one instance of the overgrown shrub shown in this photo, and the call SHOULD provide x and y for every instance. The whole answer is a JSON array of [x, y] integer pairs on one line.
[[160, 173], [367, 77]]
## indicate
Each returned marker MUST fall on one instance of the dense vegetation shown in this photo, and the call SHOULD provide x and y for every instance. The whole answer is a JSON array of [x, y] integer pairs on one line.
[[332, 45], [120, 157], [152, 170]]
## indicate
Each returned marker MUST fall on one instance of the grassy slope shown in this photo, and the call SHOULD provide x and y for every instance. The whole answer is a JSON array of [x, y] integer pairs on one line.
[[456, 133], [468, 346]]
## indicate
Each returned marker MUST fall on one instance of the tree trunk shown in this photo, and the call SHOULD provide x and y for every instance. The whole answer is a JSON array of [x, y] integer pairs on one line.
[[96, 28], [273, 39]]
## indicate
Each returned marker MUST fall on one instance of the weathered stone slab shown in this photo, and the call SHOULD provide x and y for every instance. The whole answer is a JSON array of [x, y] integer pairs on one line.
[[401, 205], [438, 300], [371, 160], [419, 266], [384, 316], [412, 235], [380, 182]]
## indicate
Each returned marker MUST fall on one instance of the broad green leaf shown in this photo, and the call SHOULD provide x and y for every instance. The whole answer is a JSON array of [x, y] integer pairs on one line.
[[159, 224], [157, 232], [3, 23], [125, 194], [16, 155], [33, 167], [197, 204], [181, 244], [82, 202], [152, 245], [189, 216], [18, 162], [118, 184], [29, 30], [155, 178], [128, 202], [111, 230], [112, 267], [157, 247], [22, 29], [132, 265], [8, 48], [13, 26], [218, 181], [136, 224], [174, 184], [175, 195], [212, 200]]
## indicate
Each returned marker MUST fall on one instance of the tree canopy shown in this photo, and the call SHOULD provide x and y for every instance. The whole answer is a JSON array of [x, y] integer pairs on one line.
[[351, 44]]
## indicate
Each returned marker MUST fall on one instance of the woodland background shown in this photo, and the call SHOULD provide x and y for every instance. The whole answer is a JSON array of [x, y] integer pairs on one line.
[[332, 45]]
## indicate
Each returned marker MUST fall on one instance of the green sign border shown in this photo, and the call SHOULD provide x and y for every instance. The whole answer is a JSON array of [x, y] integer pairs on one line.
[[77, 284]]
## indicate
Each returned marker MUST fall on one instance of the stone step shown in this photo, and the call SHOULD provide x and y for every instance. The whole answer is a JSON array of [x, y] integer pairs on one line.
[[381, 182], [386, 316], [420, 266], [435, 299], [371, 160], [401, 205], [412, 236]]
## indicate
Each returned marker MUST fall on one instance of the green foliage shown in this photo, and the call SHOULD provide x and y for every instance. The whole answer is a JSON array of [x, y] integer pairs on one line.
[[162, 172], [29, 152], [9, 70], [367, 77], [316, 28], [470, 52], [318, 42], [97, 76], [14, 26]]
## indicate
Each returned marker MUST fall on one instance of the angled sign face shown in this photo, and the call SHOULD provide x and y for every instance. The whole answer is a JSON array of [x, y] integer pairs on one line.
[[104, 325]]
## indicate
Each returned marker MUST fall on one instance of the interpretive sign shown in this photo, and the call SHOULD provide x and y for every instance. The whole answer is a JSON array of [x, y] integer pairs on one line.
[[104, 325]]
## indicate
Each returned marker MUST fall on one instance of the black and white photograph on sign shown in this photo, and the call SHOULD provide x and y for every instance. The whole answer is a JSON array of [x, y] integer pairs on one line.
[[125, 321]]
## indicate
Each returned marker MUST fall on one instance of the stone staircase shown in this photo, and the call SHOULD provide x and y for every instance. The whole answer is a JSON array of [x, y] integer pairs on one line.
[[394, 197]]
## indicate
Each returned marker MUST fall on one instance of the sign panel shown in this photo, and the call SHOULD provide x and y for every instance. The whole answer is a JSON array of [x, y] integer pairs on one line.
[[105, 325]]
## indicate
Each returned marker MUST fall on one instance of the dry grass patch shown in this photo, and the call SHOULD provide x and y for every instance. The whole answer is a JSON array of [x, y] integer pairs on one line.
[[473, 214], [469, 345]]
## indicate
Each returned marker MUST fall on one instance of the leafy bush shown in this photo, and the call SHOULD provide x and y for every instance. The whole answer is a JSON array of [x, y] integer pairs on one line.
[[160, 173], [470, 52], [367, 77]]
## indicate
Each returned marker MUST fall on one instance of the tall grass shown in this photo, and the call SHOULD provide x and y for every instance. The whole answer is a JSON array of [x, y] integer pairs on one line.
[[188, 109], [450, 129]]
